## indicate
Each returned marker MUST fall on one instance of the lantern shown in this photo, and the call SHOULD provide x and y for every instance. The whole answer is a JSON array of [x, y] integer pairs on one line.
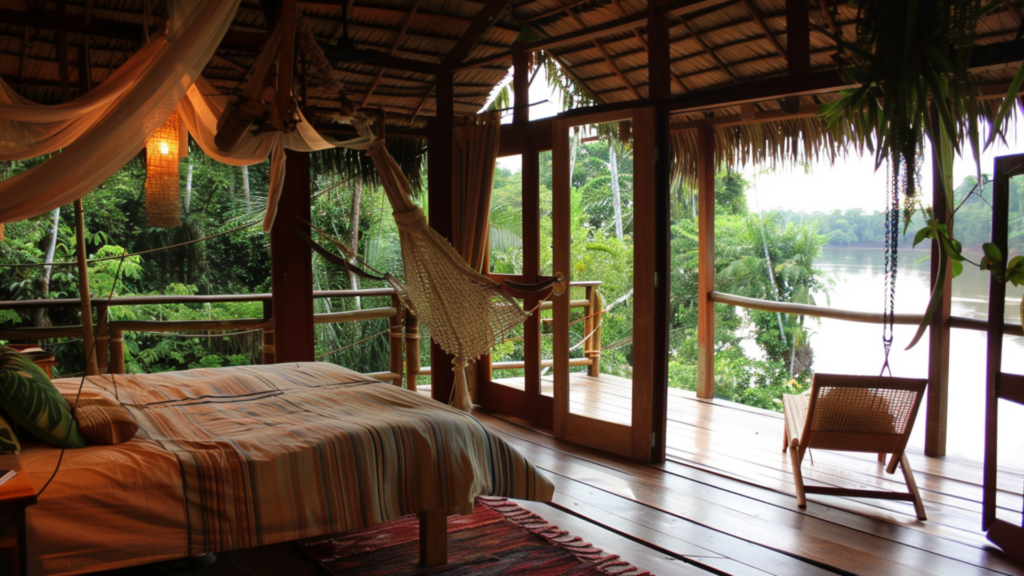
[[162, 182]]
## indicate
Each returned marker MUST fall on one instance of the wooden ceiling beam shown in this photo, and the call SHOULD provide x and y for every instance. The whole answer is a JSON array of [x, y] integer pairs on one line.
[[47, 20], [647, 48], [764, 28], [829, 17], [488, 16], [607, 57], [619, 26], [708, 50], [413, 7]]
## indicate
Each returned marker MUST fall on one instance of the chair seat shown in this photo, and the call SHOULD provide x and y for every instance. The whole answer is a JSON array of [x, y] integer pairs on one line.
[[795, 409]]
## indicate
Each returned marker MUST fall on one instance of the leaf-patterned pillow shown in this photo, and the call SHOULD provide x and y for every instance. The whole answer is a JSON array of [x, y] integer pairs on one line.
[[8, 439], [33, 402]]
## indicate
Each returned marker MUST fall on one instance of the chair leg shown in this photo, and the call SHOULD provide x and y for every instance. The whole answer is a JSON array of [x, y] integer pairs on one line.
[[881, 457], [798, 477], [785, 440], [908, 475]]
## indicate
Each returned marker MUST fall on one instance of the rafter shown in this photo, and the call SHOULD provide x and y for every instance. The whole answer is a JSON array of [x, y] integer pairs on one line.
[[643, 41], [607, 58], [619, 26], [488, 16], [394, 46], [764, 28], [707, 49]]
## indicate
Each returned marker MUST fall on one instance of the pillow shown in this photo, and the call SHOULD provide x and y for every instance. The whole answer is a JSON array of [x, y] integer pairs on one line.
[[8, 439], [33, 402], [103, 421]]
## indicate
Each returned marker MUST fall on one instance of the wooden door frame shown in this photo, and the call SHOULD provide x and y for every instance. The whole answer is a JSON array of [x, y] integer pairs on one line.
[[638, 440]]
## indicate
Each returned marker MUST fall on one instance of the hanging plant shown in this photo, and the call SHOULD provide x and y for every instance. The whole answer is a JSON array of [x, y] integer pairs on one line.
[[907, 58]]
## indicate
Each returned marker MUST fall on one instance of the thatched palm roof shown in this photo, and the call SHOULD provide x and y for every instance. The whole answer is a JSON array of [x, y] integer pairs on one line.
[[715, 44]]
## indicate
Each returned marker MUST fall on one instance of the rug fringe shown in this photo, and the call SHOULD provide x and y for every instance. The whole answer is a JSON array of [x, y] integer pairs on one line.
[[610, 564]]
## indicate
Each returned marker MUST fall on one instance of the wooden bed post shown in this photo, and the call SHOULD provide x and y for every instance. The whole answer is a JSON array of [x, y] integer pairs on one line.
[[706, 261], [433, 537], [439, 164], [291, 266]]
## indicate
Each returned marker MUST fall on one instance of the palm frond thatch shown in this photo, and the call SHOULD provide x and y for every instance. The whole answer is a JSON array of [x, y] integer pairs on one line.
[[410, 154]]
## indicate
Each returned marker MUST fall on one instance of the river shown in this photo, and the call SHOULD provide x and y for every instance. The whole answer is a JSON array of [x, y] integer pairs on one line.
[[855, 348]]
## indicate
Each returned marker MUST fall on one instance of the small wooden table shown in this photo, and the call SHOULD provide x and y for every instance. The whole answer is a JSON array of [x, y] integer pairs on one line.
[[16, 495]]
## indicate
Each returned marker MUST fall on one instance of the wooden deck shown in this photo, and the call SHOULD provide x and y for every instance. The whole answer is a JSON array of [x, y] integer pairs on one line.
[[725, 499]]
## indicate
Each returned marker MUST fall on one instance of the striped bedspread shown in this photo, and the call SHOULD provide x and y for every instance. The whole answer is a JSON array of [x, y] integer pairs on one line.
[[287, 451]]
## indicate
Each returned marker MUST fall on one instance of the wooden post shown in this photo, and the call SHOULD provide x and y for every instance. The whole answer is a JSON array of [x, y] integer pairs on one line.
[[285, 59], [116, 351], [439, 164], [798, 38], [596, 303], [102, 339], [291, 266], [531, 236], [396, 340], [88, 341], [590, 321], [938, 331], [269, 355], [660, 90], [412, 350], [706, 261]]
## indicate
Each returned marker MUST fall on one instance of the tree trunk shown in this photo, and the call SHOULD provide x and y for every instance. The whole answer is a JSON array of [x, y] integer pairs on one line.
[[245, 188], [613, 164], [188, 188], [40, 317], [357, 197]]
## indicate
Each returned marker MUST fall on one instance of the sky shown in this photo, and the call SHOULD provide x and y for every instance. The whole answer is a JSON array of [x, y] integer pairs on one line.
[[851, 183]]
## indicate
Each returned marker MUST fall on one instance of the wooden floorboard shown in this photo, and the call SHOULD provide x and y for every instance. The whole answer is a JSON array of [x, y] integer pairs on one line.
[[728, 479]]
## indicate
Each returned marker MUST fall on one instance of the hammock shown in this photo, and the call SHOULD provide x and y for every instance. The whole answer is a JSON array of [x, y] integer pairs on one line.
[[465, 311]]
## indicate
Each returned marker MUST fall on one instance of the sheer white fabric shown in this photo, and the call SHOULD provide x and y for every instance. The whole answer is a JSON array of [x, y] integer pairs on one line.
[[97, 133]]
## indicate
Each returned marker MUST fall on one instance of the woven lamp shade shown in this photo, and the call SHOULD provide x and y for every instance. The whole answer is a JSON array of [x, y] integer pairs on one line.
[[163, 188]]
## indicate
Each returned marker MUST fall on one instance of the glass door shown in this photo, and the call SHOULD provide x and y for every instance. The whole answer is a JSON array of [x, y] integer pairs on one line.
[[603, 240]]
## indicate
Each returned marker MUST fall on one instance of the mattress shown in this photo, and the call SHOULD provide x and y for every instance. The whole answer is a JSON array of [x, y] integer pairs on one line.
[[231, 458]]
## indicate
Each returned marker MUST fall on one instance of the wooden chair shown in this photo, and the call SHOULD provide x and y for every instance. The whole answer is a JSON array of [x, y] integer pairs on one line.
[[855, 414]]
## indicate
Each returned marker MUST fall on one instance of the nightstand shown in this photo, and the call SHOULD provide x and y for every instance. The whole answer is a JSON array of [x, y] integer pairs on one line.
[[16, 495]]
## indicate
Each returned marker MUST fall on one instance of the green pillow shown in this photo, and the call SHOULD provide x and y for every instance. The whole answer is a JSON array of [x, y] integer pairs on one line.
[[8, 439], [32, 401]]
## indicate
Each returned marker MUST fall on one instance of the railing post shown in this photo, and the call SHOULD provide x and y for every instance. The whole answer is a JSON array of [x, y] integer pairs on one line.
[[593, 345], [116, 351], [412, 349], [396, 339], [102, 338], [269, 354], [937, 410]]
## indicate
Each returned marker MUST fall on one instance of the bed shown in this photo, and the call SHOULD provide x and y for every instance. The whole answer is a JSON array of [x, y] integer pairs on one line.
[[231, 458]]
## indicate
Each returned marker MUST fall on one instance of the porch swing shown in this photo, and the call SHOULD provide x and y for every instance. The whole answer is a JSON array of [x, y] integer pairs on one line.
[[873, 414]]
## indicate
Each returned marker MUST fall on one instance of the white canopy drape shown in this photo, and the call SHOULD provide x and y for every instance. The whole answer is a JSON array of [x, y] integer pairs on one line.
[[99, 132]]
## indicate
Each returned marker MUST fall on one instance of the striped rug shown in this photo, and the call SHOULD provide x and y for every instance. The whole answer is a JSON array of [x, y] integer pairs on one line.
[[500, 537]]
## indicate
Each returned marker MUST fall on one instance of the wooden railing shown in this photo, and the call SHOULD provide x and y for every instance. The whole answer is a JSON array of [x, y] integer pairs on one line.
[[403, 344], [850, 315], [403, 338]]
